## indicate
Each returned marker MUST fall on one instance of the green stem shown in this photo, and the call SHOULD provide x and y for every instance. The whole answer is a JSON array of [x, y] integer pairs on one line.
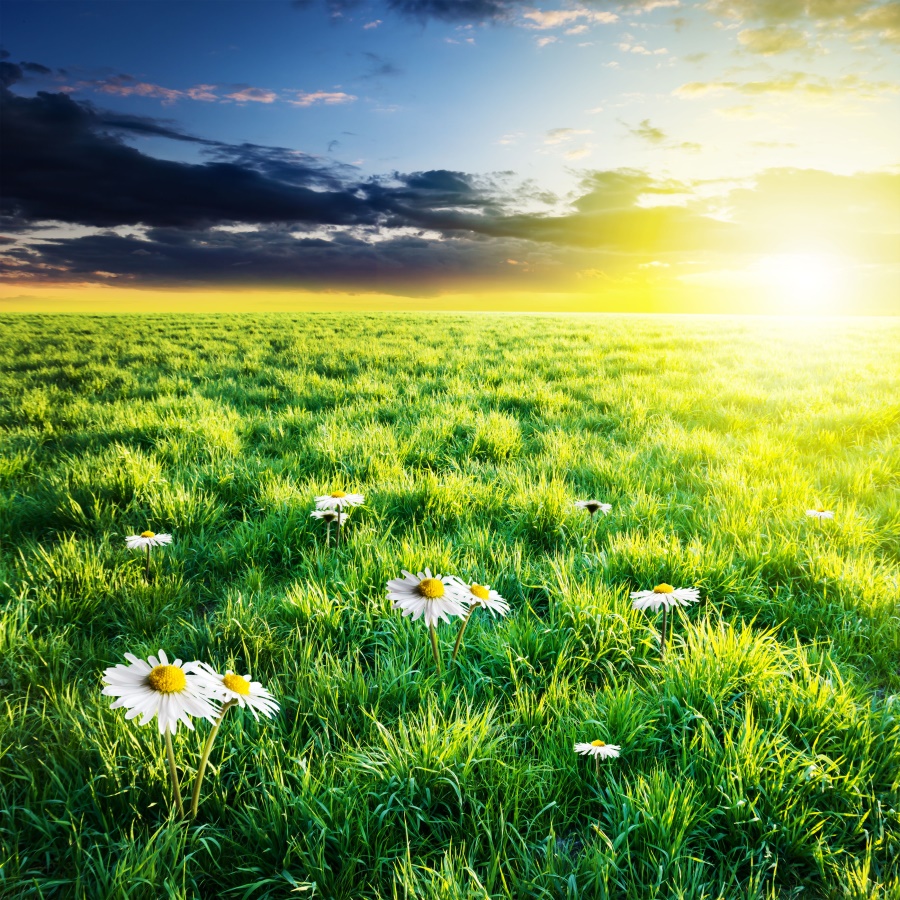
[[204, 758], [434, 648], [147, 567], [173, 773], [459, 636], [328, 534], [662, 640]]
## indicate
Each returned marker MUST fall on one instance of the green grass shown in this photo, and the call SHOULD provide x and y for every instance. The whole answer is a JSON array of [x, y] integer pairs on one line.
[[760, 760]]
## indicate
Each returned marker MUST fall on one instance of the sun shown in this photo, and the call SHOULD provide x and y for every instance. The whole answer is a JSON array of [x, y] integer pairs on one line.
[[803, 282]]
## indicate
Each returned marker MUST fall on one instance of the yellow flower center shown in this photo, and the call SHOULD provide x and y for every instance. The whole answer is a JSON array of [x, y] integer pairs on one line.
[[480, 591], [338, 494], [663, 589], [167, 679], [148, 534], [431, 588], [820, 509], [598, 743], [236, 683]]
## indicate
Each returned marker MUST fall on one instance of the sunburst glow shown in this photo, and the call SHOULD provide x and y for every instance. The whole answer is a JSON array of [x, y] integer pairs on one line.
[[804, 282]]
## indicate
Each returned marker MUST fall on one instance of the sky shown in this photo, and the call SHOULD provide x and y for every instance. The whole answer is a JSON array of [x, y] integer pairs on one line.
[[653, 155]]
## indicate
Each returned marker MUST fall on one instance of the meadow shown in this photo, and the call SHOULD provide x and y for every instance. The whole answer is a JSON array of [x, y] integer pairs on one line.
[[759, 759]]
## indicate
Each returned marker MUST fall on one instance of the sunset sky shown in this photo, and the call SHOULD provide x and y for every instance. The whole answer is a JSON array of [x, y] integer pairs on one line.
[[727, 156]]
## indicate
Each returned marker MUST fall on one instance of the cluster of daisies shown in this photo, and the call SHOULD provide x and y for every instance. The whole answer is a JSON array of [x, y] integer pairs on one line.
[[178, 692], [334, 508], [433, 598]]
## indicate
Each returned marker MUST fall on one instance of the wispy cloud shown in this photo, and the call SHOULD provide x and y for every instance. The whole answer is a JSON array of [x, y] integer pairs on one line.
[[640, 49], [655, 136], [579, 152], [773, 39], [328, 98], [128, 86], [561, 135], [650, 133], [252, 95], [799, 84], [557, 18], [850, 19]]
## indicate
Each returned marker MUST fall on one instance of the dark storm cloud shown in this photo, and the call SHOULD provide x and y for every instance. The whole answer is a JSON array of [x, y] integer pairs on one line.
[[272, 257], [36, 68], [456, 10], [472, 11], [65, 161], [445, 10], [10, 73]]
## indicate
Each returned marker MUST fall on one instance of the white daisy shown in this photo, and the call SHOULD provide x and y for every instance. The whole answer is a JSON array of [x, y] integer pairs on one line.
[[339, 500], [820, 513], [330, 515], [147, 539], [170, 691], [664, 595], [476, 595], [433, 596], [239, 689], [593, 506], [599, 749]]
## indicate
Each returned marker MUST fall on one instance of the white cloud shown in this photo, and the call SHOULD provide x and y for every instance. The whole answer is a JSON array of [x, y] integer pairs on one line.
[[557, 18], [561, 135], [328, 98]]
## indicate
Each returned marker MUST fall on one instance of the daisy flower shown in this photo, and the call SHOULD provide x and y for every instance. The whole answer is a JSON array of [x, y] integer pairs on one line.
[[171, 692], [477, 596], [433, 596], [339, 500], [593, 506], [144, 541], [820, 513], [239, 690], [598, 749], [231, 690], [481, 595], [147, 539], [666, 596]]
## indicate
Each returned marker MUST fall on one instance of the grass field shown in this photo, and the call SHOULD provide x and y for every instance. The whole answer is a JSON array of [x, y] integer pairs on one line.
[[760, 759]]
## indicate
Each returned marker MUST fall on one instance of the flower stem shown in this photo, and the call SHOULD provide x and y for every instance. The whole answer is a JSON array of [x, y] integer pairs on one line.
[[328, 534], [338, 528], [147, 567], [434, 648], [459, 636], [173, 773], [662, 637], [204, 758]]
